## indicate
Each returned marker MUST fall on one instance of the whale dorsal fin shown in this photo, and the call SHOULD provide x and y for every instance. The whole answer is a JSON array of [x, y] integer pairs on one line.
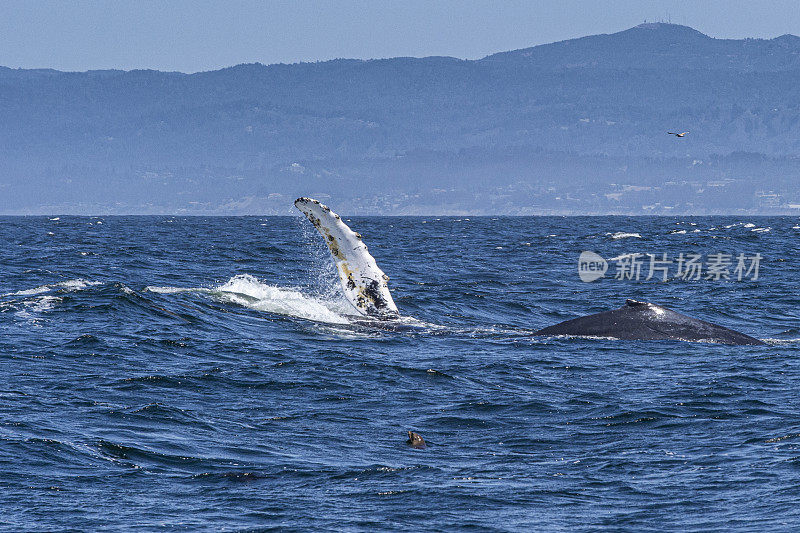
[[364, 284]]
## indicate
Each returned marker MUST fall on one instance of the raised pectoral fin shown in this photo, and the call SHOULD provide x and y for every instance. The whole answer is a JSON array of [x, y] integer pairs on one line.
[[364, 284]]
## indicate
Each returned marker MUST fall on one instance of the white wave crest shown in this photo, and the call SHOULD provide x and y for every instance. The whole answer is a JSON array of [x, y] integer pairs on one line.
[[32, 309], [248, 291], [777, 342], [632, 256], [173, 290], [624, 235], [69, 285]]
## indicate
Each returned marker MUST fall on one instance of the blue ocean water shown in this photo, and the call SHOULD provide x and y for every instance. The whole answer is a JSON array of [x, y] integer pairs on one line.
[[169, 373]]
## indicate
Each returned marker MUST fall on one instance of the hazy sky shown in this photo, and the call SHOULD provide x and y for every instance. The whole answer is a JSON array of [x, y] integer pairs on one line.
[[200, 35]]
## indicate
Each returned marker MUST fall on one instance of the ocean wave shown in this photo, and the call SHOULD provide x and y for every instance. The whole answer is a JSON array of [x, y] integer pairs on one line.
[[631, 256], [747, 225], [624, 235], [246, 290], [30, 304], [67, 286], [780, 342], [179, 390]]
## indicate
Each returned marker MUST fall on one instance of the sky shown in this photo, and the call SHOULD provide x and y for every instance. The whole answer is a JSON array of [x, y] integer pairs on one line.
[[198, 35]]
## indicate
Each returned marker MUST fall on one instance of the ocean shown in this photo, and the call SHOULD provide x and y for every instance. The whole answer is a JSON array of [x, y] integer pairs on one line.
[[169, 373]]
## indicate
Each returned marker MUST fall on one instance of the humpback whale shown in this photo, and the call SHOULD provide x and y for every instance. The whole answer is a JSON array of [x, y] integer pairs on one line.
[[646, 321], [365, 287]]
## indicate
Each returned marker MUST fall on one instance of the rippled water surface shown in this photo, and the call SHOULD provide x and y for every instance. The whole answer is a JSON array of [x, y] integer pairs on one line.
[[172, 373]]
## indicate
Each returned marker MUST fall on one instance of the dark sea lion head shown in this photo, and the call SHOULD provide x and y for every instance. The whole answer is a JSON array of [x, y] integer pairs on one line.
[[415, 440]]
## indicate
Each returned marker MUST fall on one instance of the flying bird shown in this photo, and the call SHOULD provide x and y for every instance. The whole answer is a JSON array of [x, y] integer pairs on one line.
[[677, 134]]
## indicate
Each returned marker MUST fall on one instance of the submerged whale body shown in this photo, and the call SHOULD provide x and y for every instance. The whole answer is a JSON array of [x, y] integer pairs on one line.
[[646, 321], [365, 287]]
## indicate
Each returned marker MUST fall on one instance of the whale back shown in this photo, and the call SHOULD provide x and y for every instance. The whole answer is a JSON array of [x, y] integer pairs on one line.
[[364, 284], [646, 321]]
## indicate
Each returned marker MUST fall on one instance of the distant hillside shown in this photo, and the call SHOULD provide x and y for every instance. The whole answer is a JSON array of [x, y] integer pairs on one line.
[[391, 135]]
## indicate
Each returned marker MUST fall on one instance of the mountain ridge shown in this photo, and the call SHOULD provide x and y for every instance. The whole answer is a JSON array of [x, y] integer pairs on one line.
[[69, 138]]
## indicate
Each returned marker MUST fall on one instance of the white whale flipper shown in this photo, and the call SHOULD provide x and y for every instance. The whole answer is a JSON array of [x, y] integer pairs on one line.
[[363, 282]]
